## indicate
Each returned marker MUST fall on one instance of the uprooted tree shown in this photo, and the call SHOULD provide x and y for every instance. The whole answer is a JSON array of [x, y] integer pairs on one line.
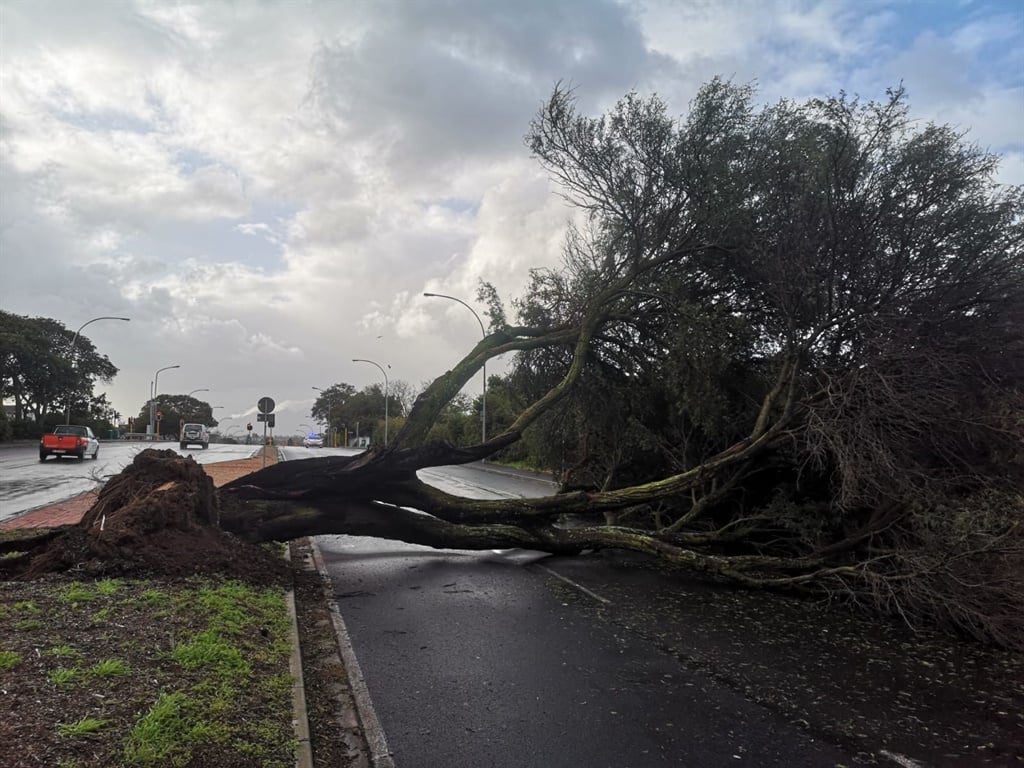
[[809, 317]]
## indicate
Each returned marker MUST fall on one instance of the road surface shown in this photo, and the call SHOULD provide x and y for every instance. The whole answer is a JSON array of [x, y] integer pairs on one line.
[[499, 659]]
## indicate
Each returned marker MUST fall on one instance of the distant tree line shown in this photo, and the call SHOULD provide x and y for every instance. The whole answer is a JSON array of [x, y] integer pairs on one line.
[[174, 410], [42, 377]]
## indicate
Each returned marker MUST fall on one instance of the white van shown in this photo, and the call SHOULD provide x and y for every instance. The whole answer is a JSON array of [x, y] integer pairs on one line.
[[192, 434]]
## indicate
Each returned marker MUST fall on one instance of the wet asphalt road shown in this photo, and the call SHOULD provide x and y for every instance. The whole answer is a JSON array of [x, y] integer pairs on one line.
[[496, 659], [26, 483]]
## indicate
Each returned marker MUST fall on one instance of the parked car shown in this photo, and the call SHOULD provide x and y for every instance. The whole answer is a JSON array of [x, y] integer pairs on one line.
[[69, 440], [195, 434], [313, 440]]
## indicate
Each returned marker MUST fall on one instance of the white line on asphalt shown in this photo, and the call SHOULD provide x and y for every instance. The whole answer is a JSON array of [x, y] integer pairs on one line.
[[578, 586]]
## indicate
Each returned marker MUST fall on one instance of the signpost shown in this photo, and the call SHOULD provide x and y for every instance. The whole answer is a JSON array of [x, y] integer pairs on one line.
[[265, 406]]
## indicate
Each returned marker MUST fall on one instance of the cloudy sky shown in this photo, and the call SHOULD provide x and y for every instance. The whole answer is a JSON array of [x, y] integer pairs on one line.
[[267, 188]]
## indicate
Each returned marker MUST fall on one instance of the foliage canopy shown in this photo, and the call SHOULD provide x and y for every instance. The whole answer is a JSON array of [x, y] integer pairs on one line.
[[43, 374]]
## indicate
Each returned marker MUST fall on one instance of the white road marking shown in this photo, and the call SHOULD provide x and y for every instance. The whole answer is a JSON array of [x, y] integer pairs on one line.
[[577, 585], [901, 760]]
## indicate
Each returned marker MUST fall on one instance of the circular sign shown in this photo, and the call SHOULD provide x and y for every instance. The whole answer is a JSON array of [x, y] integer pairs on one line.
[[265, 405]]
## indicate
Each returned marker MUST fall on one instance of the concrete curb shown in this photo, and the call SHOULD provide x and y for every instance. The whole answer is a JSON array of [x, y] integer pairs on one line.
[[380, 755], [303, 747]]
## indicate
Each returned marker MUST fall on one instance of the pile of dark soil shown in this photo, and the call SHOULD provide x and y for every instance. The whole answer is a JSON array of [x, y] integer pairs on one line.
[[158, 517]]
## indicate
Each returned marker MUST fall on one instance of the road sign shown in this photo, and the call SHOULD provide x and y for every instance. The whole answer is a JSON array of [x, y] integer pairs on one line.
[[261, 417], [265, 405]]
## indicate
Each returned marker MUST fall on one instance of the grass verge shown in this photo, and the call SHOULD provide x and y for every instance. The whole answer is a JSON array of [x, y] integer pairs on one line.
[[189, 672]]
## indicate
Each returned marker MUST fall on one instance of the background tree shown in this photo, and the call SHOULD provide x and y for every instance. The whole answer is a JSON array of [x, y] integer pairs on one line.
[[401, 396], [330, 402], [38, 372], [504, 403], [176, 410], [6, 433], [342, 407], [455, 423]]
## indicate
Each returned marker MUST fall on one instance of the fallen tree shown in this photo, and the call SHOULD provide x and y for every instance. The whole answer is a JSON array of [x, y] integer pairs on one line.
[[822, 309]]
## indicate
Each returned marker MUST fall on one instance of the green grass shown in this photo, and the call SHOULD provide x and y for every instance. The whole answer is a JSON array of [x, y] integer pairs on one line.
[[62, 652], [233, 606], [155, 597], [223, 647], [9, 660], [109, 668], [76, 593], [84, 727], [108, 587], [210, 652], [102, 615], [64, 677], [167, 733]]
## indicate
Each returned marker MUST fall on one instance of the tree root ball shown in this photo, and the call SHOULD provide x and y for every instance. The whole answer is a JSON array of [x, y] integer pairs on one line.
[[158, 517]]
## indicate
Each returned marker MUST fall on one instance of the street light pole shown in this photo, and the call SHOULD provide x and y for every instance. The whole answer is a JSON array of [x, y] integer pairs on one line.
[[71, 353], [483, 395], [362, 360], [152, 401]]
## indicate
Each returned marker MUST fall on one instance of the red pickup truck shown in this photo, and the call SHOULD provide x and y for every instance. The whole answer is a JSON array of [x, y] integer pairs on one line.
[[69, 440]]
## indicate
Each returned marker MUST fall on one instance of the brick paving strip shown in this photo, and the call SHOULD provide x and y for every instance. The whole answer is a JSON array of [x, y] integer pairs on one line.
[[71, 511]]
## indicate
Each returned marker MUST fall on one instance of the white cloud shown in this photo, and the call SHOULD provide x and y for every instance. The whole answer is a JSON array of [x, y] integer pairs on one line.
[[267, 188], [1011, 169]]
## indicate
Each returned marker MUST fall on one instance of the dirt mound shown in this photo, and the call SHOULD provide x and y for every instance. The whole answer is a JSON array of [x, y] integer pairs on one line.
[[157, 517]]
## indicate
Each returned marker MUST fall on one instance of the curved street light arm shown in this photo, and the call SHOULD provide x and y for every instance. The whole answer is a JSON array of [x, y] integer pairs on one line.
[[445, 296], [483, 331], [156, 392], [71, 353]]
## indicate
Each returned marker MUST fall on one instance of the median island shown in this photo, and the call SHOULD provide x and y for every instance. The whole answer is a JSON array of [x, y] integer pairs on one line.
[[143, 634]]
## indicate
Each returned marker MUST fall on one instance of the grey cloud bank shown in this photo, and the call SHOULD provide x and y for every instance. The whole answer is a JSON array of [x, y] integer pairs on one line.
[[267, 189]]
